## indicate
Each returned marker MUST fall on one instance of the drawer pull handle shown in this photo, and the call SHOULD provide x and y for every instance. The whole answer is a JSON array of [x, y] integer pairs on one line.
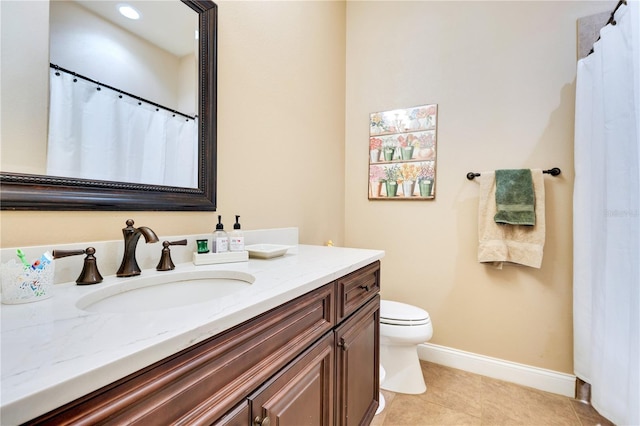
[[259, 421], [342, 344], [365, 287]]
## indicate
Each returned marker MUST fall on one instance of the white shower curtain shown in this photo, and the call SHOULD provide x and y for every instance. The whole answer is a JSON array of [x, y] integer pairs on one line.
[[96, 134], [607, 220]]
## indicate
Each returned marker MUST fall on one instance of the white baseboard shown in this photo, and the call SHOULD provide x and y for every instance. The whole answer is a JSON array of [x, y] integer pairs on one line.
[[526, 375]]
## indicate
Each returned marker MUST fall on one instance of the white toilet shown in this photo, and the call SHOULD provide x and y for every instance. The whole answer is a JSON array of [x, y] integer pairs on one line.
[[402, 328]]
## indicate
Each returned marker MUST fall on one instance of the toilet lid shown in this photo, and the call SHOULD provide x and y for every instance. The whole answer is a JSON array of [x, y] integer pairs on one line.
[[402, 314]]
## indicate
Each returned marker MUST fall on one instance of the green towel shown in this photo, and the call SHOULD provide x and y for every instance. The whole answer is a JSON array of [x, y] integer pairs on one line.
[[515, 197]]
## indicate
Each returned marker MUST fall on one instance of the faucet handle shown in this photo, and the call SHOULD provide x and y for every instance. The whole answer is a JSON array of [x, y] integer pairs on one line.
[[90, 273], [166, 264]]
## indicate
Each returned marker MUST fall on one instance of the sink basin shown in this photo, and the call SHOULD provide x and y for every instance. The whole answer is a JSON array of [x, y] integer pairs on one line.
[[164, 291]]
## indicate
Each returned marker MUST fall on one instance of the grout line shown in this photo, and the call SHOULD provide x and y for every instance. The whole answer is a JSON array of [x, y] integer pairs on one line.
[[575, 413]]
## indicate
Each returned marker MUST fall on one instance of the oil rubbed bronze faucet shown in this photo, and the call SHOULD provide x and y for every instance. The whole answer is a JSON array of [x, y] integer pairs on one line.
[[129, 266], [90, 273]]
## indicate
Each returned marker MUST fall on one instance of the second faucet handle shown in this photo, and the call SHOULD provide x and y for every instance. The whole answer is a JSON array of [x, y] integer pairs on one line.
[[166, 264], [90, 273]]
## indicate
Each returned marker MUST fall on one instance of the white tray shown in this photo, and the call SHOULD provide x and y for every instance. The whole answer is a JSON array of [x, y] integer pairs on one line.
[[226, 257], [266, 251]]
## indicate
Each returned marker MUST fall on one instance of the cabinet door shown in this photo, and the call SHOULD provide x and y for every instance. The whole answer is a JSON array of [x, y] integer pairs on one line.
[[302, 393], [239, 416], [358, 366]]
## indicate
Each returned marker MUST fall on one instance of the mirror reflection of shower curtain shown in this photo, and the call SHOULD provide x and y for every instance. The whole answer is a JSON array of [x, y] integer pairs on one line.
[[606, 220], [95, 134]]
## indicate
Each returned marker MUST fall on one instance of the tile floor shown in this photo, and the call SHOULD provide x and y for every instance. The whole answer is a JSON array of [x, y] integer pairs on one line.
[[456, 397]]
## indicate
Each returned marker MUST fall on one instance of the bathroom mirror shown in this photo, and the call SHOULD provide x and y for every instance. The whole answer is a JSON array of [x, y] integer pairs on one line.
[[35, 191]]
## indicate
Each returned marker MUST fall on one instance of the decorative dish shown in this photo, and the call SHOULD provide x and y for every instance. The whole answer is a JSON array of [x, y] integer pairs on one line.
[[266, 251]]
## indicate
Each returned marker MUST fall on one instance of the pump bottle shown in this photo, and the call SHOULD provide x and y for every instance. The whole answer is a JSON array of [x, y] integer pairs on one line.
[[220, 241], [236, 237]]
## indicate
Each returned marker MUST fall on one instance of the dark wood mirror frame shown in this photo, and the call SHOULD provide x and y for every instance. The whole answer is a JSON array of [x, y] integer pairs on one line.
[[40, 192]]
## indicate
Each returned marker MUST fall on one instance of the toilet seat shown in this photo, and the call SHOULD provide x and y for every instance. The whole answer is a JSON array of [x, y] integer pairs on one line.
[[402, 314], [404, 323]]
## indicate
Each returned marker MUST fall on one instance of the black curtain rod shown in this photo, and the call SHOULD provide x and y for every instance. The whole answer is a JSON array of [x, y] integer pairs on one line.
[[612, 19], [59, 68], [553, 172]]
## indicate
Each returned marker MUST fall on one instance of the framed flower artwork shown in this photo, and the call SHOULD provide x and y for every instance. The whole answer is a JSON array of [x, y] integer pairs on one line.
[[402, 153]]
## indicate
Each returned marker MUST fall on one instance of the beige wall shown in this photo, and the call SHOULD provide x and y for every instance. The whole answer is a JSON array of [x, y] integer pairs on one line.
[[280, 135], [503, 76]]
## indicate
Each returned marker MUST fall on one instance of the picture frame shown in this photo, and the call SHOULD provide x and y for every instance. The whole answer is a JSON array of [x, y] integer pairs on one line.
[[402, 153]]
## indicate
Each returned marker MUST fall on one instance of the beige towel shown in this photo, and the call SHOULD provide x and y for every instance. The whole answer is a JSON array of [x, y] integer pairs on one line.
[[500, 243]]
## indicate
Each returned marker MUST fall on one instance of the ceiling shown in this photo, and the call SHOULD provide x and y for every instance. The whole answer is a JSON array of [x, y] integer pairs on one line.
[[171, 25]]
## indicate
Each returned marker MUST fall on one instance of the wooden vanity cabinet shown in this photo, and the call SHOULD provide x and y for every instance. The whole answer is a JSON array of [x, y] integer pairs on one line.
[[311, 361]]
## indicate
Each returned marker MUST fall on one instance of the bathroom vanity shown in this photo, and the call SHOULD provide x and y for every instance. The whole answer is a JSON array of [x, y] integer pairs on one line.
[[312, 358]]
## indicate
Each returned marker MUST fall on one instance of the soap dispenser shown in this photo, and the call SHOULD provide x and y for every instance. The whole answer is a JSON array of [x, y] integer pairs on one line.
[[236, 237], [220, 242]]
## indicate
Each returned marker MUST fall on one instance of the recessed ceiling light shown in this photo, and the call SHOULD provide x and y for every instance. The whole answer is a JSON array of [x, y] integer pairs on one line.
[[128, 11]]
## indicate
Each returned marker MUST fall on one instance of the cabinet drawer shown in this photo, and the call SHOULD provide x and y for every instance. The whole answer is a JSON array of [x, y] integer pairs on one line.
[[202, 383], [356, 288]]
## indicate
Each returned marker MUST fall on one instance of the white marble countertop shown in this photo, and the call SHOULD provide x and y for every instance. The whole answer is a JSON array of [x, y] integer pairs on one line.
[[53, 352]]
